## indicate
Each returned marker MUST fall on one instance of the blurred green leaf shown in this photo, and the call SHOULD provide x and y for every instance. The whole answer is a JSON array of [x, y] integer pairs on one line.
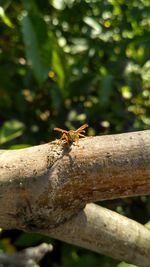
[[31, 239], [105, 90], [81, 85], [58, 68], [5, 3], [58, 4], [27, 240], [79, 45], [11, 130], [123, 264], [146, 72], [76, 258], [34, 48], [56, 97], [5, 19], [19, 146], [30, 5], [93, 24], [126, 91]]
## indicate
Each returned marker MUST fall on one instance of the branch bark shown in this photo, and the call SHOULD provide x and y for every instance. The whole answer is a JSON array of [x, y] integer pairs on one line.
[[43, 186], [28, 257], [106, 232], [54, 181]]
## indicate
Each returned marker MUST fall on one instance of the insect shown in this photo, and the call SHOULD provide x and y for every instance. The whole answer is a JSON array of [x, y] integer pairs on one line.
[[72, 135]]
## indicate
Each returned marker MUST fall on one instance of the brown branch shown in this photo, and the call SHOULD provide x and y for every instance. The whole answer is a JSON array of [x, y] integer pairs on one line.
[[108, 233], [54, 181], [43, 186]]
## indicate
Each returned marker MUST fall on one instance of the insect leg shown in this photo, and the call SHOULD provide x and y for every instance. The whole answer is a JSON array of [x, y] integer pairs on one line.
[[82, 135], [60, 130]]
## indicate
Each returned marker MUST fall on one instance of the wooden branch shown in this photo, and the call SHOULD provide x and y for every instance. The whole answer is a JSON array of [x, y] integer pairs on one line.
[[108, 233], [42, 186], [25, 258]]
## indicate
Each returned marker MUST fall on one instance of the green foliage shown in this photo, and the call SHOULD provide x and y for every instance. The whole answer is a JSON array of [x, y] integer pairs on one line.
[[10, 130], [4, 18], [29, 240], [34, 47], [123, 264], [71, 256], [64, 63]]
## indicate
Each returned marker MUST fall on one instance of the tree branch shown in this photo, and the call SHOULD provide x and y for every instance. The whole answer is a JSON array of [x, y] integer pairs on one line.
[[55, 182], [43, 186], [106, 232], [28, 257]]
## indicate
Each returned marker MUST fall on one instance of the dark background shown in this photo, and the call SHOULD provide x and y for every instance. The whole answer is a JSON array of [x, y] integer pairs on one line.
[[66, 63]]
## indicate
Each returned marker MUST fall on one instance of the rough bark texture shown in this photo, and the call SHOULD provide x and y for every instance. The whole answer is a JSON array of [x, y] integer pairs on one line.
[[107, 232], [54, 181], [43, 186]]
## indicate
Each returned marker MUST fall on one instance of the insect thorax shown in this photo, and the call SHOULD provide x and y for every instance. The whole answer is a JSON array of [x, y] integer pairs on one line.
[[73, 135]]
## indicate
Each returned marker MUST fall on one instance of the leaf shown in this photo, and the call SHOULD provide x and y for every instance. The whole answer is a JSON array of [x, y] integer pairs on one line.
[[5, 19], [93, 24], [31, 239], [58, 4], [58, 67], [146, 72], [11, 130], [5, 3], [123, 264], [34, 47], [30, 5], [105, 89], [28, 239], [81, 85], [19, 146]]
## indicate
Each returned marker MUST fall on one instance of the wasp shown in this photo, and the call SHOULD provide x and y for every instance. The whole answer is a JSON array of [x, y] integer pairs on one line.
[[72, 135]]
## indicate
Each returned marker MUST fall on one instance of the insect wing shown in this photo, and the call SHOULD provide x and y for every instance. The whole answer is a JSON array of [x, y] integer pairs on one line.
[[82, 128]]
